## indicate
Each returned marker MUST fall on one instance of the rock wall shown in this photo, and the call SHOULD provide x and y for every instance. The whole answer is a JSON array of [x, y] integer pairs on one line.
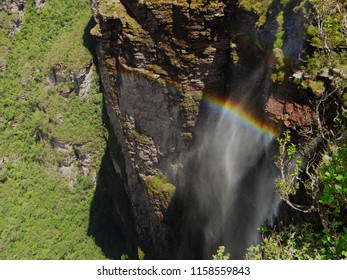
[[158, 59]]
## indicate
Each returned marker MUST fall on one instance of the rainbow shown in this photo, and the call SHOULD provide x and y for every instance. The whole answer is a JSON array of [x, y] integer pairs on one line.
[[233, 109], [244, 118]]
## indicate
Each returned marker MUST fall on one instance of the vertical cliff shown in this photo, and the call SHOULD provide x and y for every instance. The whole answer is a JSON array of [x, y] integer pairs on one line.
[[161, 60], [156, 61]]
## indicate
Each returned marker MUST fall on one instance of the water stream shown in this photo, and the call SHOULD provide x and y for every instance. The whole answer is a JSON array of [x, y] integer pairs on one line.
[[232, 178]]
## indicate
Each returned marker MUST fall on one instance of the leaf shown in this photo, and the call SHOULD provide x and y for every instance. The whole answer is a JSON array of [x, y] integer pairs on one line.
[[338, 187], [340, 178]]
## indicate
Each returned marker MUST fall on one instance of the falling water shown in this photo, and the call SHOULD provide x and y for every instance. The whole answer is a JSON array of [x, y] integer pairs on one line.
[[232, 177]]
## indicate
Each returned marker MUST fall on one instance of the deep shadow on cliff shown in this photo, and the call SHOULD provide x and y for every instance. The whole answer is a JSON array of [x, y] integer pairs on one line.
[[106, 222], [102, 227]]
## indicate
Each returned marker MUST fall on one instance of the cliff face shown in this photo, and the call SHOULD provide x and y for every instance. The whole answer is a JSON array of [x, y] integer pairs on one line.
[[158, 60]]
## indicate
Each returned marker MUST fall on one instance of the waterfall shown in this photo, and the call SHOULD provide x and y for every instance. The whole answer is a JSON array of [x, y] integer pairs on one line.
[[231, 176]]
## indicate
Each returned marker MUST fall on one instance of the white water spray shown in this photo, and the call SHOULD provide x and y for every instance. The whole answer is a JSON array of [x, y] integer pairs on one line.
[[233, 182]]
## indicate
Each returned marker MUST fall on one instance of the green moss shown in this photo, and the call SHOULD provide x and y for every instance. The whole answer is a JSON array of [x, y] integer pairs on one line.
[[259, 7], [190, 105], [159, 184], [344, 96], [95, 31], [107, 7], [157, 70], [198, 96], [187, 135], [278, 77], [115, 9], [141, 138]]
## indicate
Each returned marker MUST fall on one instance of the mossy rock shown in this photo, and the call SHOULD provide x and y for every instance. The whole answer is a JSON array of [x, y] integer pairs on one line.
[[140, 138], [187, 135], [190, 105], [159, 184]]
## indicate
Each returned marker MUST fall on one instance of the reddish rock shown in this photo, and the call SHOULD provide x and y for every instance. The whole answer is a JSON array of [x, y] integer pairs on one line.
[[289, 113]]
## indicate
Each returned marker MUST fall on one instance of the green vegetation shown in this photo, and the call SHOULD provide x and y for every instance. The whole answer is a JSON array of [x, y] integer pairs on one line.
[[157, 69], [43, 215], [259, 7], [140, 138], [189, 104], [221, 255], [289, 167], [279, 74], [115, 9], [262, 10], [159, 184], [324, 234], [187, 135], [317, 186], [317, 87], [140, 253], [5, 26]]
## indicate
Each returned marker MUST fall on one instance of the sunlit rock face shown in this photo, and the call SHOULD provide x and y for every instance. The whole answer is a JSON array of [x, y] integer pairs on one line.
[[195, 177]]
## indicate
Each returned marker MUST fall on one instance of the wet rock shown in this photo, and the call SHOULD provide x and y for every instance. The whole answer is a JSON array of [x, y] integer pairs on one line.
[[291, 114]]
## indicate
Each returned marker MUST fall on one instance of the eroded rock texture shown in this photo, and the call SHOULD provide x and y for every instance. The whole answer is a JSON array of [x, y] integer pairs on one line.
[[158, 60]]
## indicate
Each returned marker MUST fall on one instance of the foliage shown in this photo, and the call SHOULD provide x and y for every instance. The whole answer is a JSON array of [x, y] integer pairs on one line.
[[300, 242], [287, 184], [259, 7], [328, 34], [43, 216], [140, 253], [326, 187], [221, 254], [322, 180], [332, 195], [330, 23]]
